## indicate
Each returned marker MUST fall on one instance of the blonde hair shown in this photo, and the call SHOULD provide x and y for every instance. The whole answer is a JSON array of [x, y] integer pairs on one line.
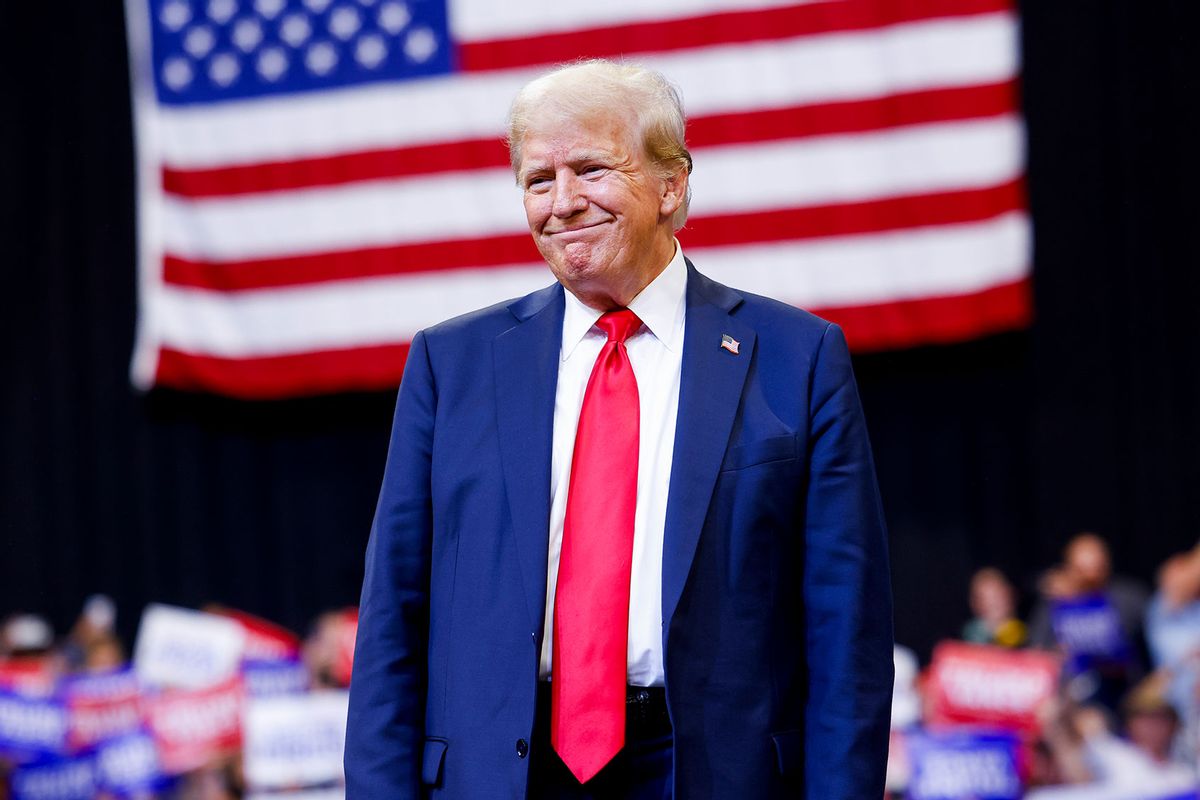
[[583, 88]]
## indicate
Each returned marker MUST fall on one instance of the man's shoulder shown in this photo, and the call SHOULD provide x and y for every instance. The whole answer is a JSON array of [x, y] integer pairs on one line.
[[760, 311], [493, 320]]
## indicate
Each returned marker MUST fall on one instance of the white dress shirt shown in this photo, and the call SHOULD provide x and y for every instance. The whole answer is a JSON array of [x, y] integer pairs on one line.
[[656, 352]]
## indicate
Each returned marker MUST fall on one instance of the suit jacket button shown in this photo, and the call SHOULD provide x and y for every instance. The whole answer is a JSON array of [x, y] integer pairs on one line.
[[522, 748]]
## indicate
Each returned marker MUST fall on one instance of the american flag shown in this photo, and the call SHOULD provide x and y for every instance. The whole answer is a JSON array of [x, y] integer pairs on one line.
[[320, 179]]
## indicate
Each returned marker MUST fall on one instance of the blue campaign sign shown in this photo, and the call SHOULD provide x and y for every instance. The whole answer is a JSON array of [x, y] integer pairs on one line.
[[1089, 630], [954, 765], [128, 766], [55, 779], [31, 726], [272, 678]]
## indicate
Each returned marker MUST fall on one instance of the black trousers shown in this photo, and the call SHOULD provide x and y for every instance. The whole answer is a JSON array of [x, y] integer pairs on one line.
[[640, 771]]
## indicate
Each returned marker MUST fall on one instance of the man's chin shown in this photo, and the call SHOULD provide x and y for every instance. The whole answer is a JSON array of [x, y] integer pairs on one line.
[[575, 261]]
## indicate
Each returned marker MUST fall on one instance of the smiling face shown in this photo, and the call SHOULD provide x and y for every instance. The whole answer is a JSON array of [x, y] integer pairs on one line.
[[598, 212]]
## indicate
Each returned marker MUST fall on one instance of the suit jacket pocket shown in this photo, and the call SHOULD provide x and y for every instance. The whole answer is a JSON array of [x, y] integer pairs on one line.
[[789, 751], [775, 448], [431, 761]]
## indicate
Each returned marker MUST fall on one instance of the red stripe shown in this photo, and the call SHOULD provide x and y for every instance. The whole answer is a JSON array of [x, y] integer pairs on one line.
[[935, 320], [854, 116], [843, 219], [730, 27], [300, 374], [868, 328]]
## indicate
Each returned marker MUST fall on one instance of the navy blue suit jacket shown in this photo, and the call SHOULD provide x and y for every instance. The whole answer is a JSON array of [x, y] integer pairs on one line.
[[777, 615]]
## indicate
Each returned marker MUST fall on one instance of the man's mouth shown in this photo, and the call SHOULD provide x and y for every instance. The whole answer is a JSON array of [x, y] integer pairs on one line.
[[576, 228]]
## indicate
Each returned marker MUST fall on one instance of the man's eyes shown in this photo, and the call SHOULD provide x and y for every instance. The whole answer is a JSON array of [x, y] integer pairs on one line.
[[535, 182]]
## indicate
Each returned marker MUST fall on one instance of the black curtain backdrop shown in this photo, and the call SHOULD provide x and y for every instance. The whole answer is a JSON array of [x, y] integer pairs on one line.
[[993, 452]]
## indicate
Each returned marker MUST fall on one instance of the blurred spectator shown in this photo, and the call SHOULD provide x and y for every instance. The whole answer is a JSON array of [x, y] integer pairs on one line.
[[325, 649], [92, 646], [1151, 722], [25, 636], [1173, 635], [1087, 750], [1095, 619], [26, 659], [1087, 570], [994, 604]]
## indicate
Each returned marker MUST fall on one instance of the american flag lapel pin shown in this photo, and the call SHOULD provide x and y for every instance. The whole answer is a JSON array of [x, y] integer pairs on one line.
[[729, 343]]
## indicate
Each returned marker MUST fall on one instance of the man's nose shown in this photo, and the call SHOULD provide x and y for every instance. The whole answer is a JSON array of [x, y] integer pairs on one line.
[[568, 195]]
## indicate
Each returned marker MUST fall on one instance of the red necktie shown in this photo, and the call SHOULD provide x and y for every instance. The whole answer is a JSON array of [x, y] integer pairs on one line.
[[591, 600]]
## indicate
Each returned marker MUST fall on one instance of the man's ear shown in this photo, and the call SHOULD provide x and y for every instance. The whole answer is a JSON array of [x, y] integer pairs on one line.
[[674, 192]]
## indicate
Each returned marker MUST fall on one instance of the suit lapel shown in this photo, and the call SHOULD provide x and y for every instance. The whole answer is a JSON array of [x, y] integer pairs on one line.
[[526, 363], [710, 391]]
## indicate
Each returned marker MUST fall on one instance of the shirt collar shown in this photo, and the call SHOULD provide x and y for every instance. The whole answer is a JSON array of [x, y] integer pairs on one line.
[[660, 306]]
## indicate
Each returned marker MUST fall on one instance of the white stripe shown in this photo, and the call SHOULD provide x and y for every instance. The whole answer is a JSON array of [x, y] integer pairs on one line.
[[730, 78], [930, 262], [487, 19], [881, 268], [915, 159]]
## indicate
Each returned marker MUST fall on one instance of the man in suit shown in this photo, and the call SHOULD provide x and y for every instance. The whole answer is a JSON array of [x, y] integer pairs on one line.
[[629, 542]]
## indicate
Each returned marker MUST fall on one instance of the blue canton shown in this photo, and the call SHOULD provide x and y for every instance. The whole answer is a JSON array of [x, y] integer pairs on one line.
[[207, 51]]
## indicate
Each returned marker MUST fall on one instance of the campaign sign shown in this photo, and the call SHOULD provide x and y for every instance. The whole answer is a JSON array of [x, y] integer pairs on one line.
[[270, 678], [295, 740], [265, 641], [55, 779], [26, 675], [31, 726], [191, 727], [129, 766], [100, 707], [178, 647], [310, 794], [1089, 630], [954, 765], [982, 685]]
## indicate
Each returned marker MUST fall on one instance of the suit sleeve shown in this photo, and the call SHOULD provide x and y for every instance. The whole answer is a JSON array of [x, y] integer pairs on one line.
[[385, 727], [847, 592]]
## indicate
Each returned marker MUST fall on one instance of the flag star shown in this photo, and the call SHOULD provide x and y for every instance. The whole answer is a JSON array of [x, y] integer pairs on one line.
[[224, 69], [247, 33], [394, 17], [295, 29], [175, 14], [272, 63], [177, 73], [370, 51], [344, 22], [316, 6], [199, 40], [321, 58], [269, 8], [221, 11], [420, 45]]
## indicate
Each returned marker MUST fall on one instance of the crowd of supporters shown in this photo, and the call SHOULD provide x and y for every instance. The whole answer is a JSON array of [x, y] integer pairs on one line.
[[1096, 695]]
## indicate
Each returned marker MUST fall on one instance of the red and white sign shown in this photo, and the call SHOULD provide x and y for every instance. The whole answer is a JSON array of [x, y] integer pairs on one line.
[[982, 685], [193, 727], [265, 641], [30, 676], [101, 708]]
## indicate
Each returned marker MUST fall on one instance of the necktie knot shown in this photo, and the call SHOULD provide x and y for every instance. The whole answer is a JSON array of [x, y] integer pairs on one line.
[[618, 325]]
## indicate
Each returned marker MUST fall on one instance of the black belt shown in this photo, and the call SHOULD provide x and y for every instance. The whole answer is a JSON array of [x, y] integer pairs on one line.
[[645, 711]]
